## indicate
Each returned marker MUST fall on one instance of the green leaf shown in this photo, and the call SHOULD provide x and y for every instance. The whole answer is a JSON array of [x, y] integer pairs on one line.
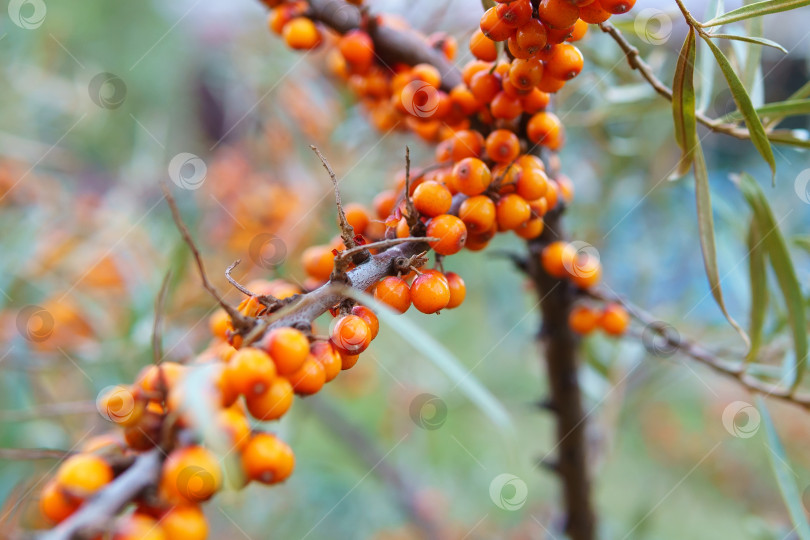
[[743, 101], [785, 477], [758, 274], [749, 39], [683, 103], [757, 9], [782, 108], [803, 242], [790, 139], [775, 246], [441, 357], [707, 242], [707, 66]]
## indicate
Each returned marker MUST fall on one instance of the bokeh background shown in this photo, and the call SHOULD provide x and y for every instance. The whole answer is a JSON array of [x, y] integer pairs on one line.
[[98, 98]]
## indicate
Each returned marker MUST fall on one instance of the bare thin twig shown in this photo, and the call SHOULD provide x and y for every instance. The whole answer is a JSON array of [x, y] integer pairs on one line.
[[346, 229], [382, 244], [267, 300], [409, 207]]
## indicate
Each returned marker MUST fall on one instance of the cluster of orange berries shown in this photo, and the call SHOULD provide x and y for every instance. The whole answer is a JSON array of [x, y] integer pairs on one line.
[[613, 319]]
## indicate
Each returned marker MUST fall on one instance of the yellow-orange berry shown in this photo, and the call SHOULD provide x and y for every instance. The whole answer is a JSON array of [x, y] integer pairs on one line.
[[301, 34], [250, 371], [122, 405], [163, 376], [450, 232], [617, 7], [55, 504], [525, 75], [318, 262], [458, 290], [580, 29], [184, 523], [347, 361], [532, 183], [357, 216], [565, 62], [220, 323], [503, 146], [531, 36], [430, 292], [477, 213], [432, 198], [273, 403], [235, 425], [357, 48], [511, 212], [546, 129], [586, 271], [614, 320], [267, 459], [84, 474], [482, 47], [471, 176], [371, 319], [557, 13], [531, 229], [384, 203], [583, 319], [394, 292], [309, 378], [288, 348], [328, 357], [593, 13], [557, 257], [190, 475], [351, 334], [494, 27]]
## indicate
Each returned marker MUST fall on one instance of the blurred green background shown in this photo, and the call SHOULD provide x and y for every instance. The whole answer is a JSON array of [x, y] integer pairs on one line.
[[99, 97]]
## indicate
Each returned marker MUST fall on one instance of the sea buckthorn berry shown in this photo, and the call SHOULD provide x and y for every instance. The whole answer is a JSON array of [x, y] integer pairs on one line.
[[184, 523], [288, 349], [472, 67], [431, 198], [614, 319], [371, 319], [357, 48], [318, 261], [143, 435], [503, 146], [559, 35], [309, 378], [552, 195], [301, 34], [535, 101], [485, 86], [593, 13], [586, 271], [531, 36], [384, 203], [280, 16], [428, 74], [430, 292], [557, 257], [517, 13], [138, 526], [505, 107], [450, 232], [532, 183], [545, 128], [550, 84], [122, 406], [525, 74], [250, 371], [466, 143], [583, 319], [82, 475], [351, 334], [471, 176], [267, 459], [494, 27], [190, 475], [477, 213], [219, 323], [511, 212], [557, 13], [357, 216], [235, 425], [273, 403], [55, 504], [531, 229], [393, 292], [617, 7], [580, 29], [565, 63], [482, 47], [328, 357], [347, 361], [529, 161], [516, 50], [163, 376], [458, 290]]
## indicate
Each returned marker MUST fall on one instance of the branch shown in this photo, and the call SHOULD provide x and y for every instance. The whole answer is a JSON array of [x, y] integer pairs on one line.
[[95, 514], [346, 229]]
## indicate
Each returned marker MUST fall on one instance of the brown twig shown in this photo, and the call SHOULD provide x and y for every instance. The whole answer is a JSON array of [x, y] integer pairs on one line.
[[382, 244], [157, 352], [413, 216], [267, 300], [346, 229]]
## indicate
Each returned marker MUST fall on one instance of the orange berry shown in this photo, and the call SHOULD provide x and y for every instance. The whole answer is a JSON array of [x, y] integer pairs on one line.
[[529, 161], [531, 36], [535, 101], [428, 74], [458, 290], [393, 292], [235, 425], [122, 406], [515, 13], [347, 361], [557, 13], [485, 86], [267, 459], [190, 475], [614, 320], [593, 13], [550, 84], [565, 62], [494, 27], [431, 198], [357, 48], [138, 526], [482, 47], [318, 261], [580, 29], [531, 229], [184, 523], [545, 128], [288, 348], [82, 475], [552, 195], [583, 320], [328, 357], [143, 435], [471, 176], [559, 35], [430, 292], [220, 323], [525, 75], [532, 183], [617, 7], [309, 378], [511, 212], [371, 319], [165, 375], [503, 146], [250, 371], [586, 271], [450, 232], [55, 504], [301, 34], [557, 257], [384, 204], [273, 403], [505, 107], [350, 334], [477, 213], [357, 216]]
